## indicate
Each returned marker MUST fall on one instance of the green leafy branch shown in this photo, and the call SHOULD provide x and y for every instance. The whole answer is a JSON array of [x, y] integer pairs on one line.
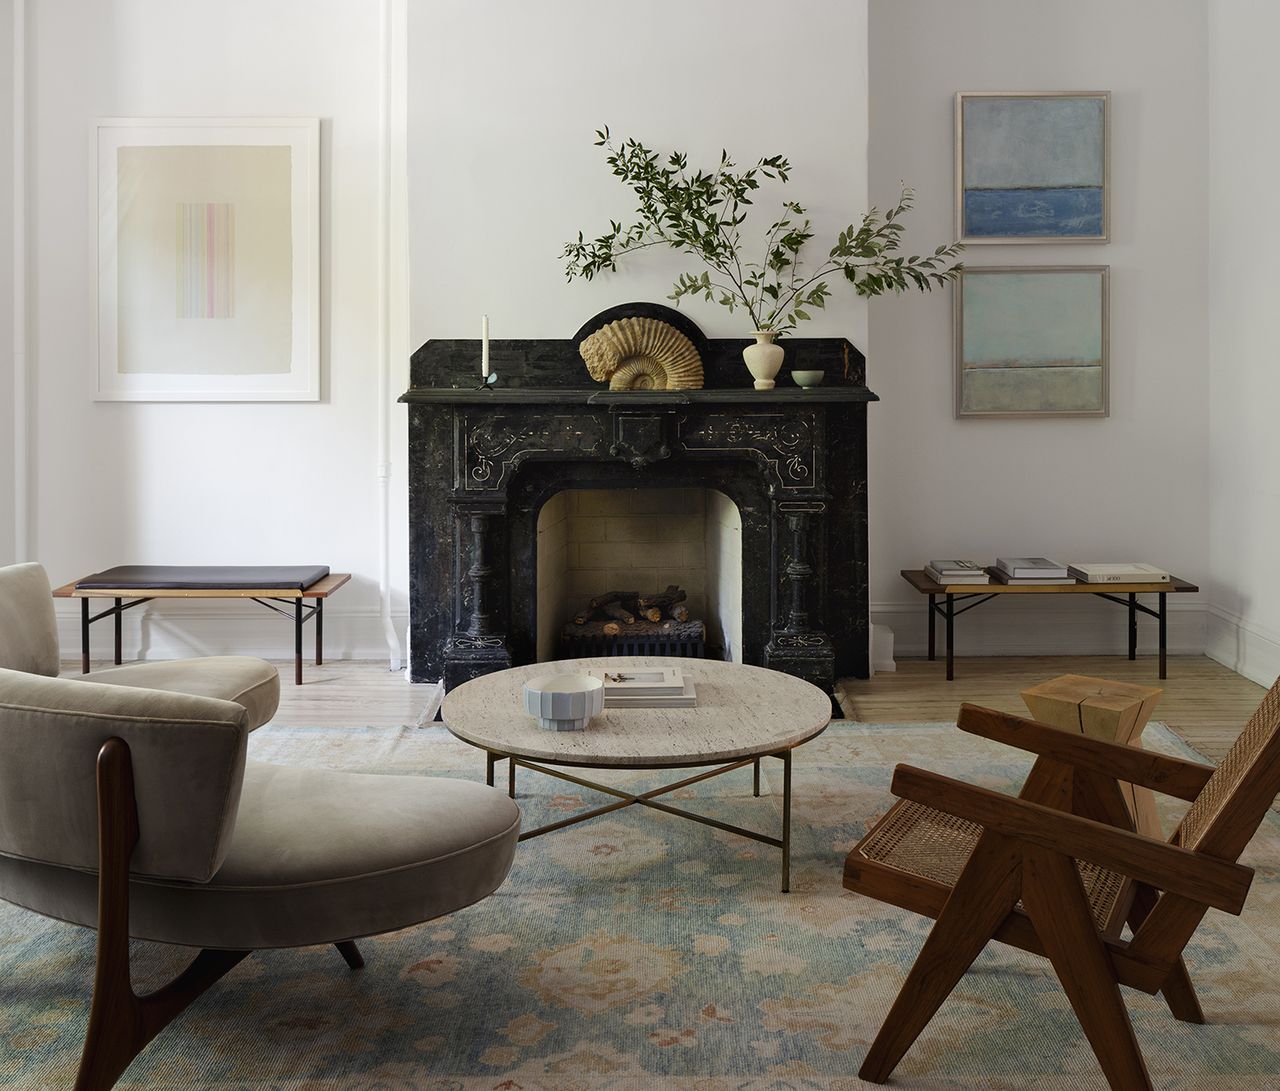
[[701, 213]]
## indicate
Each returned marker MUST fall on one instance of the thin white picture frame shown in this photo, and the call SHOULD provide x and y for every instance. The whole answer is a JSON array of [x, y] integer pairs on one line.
[[302, 379]]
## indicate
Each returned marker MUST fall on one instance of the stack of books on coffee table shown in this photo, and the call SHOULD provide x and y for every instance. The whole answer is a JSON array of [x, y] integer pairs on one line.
[[647, 687], [956, 572], [1028, 570]]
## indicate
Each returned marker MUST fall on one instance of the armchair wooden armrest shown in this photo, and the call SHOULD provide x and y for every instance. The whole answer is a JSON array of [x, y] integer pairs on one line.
[[1170, 776], [1204, 879]]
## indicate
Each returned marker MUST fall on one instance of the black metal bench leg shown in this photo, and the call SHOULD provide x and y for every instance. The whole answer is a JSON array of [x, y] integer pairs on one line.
[[951, 623], [84, 636], [1163, 631], [930, 615], [118, 627], [1133, 625], [319, 632], [297, 641]]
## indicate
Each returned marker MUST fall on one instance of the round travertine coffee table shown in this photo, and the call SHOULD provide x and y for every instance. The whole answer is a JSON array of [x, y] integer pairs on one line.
[[743, 714]]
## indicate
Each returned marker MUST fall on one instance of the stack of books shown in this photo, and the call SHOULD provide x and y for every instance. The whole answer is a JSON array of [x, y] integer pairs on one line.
[[1124, 572], [1029, 570], [965, 572], [651, 687]]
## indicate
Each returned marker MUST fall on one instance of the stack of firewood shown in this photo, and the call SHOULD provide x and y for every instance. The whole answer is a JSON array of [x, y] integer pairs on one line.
[[616, 610]]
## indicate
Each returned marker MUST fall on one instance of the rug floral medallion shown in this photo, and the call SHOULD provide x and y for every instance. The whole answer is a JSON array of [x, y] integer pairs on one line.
[[640, 951]]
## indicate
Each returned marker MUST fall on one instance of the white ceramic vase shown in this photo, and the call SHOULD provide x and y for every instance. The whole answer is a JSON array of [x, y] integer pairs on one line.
[[763, 359]]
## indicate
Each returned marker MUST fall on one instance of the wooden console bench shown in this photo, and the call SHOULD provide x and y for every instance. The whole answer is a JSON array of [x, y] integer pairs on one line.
[[975, 595], [273, 588]]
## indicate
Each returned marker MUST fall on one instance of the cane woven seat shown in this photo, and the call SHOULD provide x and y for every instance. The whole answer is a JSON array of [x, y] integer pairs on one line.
[[933, 845]]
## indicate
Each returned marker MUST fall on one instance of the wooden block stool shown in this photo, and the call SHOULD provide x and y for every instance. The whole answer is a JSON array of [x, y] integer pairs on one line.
[[1111, 711]]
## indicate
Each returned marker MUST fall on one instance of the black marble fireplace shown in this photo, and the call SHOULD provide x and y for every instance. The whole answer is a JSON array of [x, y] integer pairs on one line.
[[482, 462]]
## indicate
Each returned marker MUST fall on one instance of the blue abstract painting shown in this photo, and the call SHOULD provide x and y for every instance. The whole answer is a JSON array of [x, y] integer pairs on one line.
[[1033, 166], [1032, 341]]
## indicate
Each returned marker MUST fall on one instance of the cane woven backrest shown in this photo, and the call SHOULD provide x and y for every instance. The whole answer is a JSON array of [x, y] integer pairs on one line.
[[1233, 803]]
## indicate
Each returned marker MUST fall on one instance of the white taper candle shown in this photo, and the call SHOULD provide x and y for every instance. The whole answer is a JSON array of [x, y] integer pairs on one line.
[[484, 346]]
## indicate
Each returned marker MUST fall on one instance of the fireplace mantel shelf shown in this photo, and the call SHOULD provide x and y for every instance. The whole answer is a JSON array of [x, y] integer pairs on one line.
[[604, 397]]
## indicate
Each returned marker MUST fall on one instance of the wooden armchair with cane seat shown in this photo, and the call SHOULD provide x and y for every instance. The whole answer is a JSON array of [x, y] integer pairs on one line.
[[1059, 871]]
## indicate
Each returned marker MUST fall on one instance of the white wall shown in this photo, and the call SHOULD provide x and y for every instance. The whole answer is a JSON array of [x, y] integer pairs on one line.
[[7, 552], [504, 99], [1134, 486], [209, 483], [1244, 285]]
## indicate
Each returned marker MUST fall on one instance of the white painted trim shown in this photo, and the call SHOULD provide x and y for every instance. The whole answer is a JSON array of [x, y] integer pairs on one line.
[[1243, 646], [392, 90], [1043, 628], [21, 392]]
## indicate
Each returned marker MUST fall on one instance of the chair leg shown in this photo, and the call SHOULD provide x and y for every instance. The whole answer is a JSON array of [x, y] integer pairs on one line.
[[348, 950], [121, 1023], [1180, 995], [985, 893], [1057, 906], [1178, 992]]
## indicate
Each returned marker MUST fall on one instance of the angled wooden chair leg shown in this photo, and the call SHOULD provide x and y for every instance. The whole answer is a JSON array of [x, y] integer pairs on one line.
[[984, 895], [1057, 906], [348, 950], [1179, 992], [120, 1022]]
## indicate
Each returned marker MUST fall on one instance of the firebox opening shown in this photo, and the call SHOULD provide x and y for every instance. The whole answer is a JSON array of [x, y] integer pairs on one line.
[[591, 542]]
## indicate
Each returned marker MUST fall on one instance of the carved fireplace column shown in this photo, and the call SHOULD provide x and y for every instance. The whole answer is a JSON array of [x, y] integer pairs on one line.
[[479, 645], [797, 647]]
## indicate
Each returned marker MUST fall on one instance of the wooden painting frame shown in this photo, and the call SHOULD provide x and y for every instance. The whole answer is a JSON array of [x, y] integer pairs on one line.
[[987, 404], [1056, 204]]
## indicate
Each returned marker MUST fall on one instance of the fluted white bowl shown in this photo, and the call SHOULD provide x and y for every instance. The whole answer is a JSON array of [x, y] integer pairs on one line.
[[563, 702]]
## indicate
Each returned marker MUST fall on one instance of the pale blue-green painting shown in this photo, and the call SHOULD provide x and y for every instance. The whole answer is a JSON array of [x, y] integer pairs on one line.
[[1033, 341], [1034, 167]]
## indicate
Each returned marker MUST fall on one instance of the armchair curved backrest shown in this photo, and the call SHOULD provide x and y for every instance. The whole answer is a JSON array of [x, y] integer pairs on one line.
[[28, 626], [188, 757]]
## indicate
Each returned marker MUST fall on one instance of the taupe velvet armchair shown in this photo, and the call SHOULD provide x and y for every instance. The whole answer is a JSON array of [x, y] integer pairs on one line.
[[134, 810]]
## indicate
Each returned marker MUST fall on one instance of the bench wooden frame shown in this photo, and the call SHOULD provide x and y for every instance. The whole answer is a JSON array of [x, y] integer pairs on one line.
[[308, 603], [979, 593]]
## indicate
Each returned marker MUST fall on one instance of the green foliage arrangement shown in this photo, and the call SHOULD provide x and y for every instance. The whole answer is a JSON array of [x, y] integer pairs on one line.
[[701, 213]]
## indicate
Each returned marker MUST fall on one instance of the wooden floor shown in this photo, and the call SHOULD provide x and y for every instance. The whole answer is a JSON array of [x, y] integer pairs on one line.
[[1203, 701]]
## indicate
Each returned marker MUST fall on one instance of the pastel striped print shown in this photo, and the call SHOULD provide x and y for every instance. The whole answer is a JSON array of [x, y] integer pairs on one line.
[[206, 260]]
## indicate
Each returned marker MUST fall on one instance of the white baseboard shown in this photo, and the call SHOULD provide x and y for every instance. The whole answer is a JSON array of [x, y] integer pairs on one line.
[[1043, 625], [1246, 648], [177, 630]]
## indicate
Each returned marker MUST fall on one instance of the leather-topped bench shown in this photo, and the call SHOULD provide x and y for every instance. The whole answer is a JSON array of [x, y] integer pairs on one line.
[[270, 586]]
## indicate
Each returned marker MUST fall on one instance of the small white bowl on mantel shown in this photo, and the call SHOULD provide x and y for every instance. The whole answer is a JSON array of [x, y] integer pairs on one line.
[[563, 702]]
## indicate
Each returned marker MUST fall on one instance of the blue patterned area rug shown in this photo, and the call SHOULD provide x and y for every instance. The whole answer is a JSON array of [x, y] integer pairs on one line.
[[641, 951]]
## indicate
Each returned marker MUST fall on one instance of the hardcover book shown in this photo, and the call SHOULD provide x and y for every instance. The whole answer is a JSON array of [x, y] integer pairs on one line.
[[957, 568], [1124, 572], [966, 577], [1031, 567], [1001, 576]]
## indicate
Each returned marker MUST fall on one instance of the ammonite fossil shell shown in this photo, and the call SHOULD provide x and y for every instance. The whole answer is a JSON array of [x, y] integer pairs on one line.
[[642, 354]]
